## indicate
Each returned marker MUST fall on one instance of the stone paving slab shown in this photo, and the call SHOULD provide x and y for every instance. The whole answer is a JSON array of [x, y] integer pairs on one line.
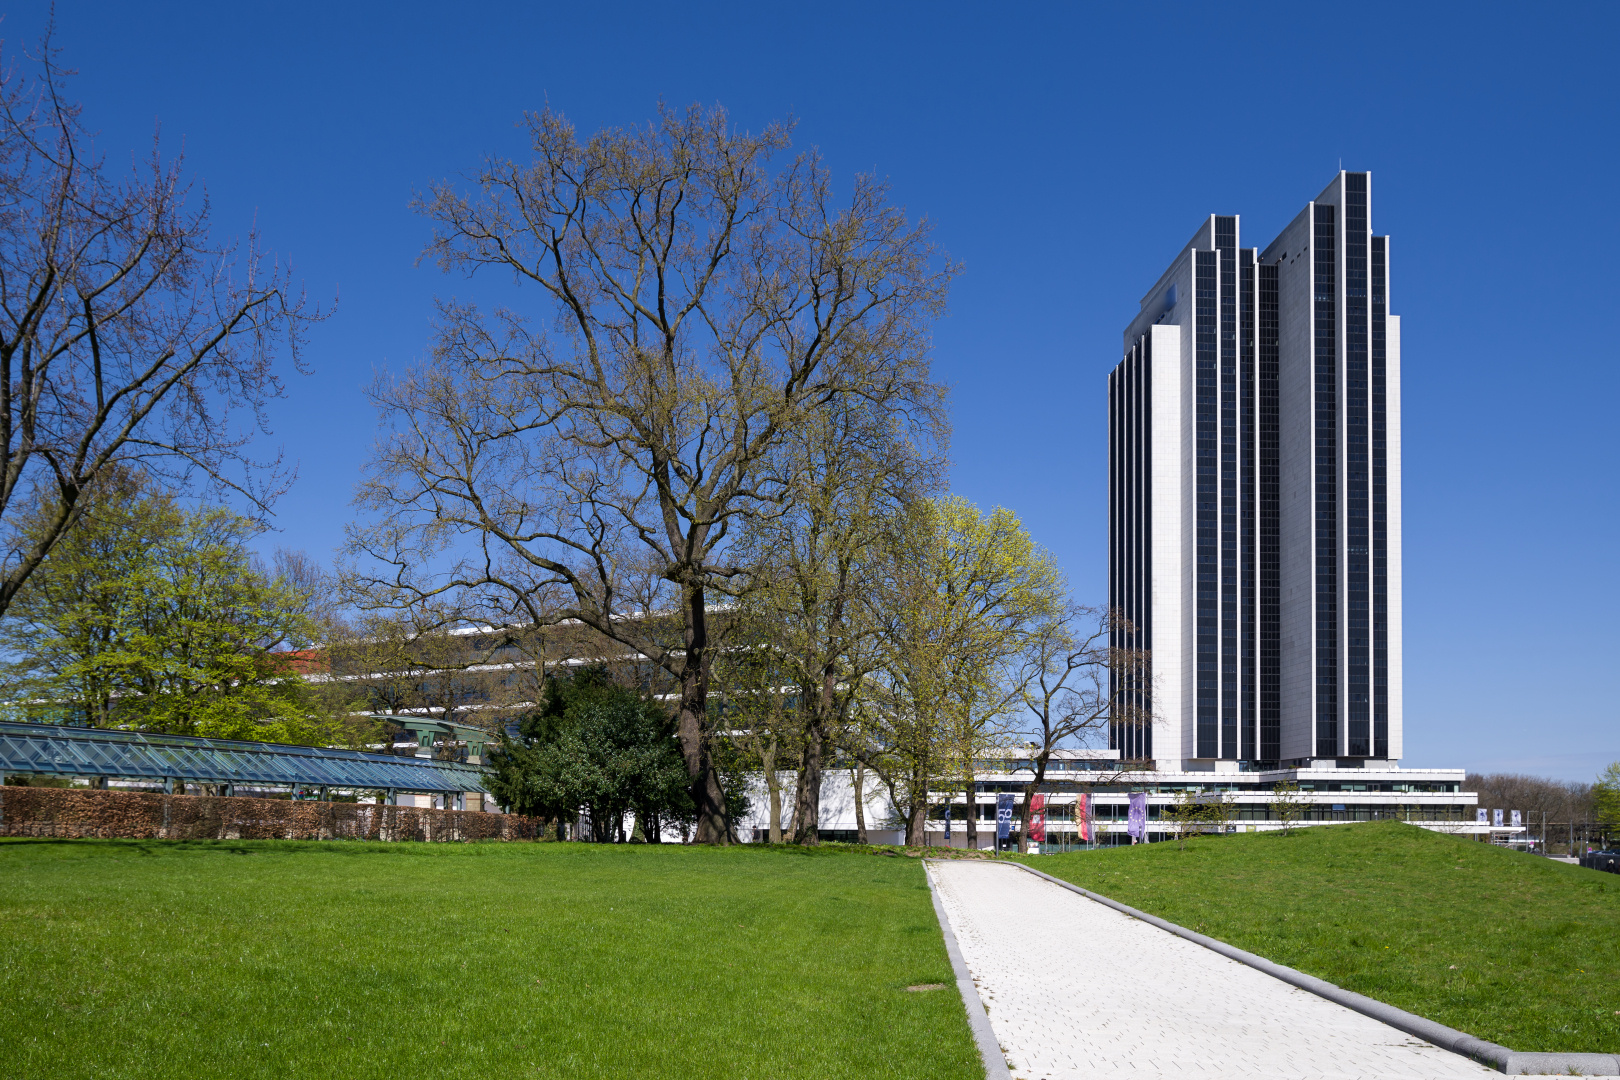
[[1076, 989]]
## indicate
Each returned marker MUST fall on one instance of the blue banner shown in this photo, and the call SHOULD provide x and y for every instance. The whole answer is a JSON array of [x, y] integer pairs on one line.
[[947, 821], [1004, 809]]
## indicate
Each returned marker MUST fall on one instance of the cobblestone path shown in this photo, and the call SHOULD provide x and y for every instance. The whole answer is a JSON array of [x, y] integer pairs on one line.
[[1076, 989]]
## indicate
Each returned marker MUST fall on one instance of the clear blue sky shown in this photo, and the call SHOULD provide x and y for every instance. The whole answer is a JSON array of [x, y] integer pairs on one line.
[[1065, 153]]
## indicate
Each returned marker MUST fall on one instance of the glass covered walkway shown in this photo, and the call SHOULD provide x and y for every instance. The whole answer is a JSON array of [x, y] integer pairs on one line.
[[133, 755]]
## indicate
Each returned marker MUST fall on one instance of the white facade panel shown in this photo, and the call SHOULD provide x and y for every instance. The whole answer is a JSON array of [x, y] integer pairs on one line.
[[1172, 575], [1392, 443]]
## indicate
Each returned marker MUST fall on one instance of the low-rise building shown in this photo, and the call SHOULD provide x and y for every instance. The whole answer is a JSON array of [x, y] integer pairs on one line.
[[1242, 800]]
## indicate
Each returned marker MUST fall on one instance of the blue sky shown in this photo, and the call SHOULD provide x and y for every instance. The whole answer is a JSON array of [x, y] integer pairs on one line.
[[1065, 153]]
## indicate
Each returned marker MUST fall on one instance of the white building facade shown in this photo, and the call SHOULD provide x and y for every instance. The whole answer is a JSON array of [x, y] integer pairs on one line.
[[1431, 798]]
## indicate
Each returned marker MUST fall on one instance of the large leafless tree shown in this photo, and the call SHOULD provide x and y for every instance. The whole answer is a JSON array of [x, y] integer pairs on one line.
[[699, 297], [128, 337]]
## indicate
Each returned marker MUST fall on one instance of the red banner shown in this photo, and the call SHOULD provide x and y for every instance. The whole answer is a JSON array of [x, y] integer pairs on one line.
[[1037, 818], [1082, 817]]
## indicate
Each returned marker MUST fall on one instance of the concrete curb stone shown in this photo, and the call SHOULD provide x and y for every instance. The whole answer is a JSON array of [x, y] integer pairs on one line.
[[995, 1063]]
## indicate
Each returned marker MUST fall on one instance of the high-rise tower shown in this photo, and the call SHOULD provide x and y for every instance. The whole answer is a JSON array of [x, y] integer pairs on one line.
[[1254, 515]]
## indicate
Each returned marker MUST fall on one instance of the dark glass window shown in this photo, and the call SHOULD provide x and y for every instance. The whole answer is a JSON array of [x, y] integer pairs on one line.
[[1130, 547], [1356, 503], [1325, 407], [1206, 630], [1270, 540]]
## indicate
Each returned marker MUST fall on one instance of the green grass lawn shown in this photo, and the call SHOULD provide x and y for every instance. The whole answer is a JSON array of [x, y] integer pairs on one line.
[[296, 960], [1508, 947]]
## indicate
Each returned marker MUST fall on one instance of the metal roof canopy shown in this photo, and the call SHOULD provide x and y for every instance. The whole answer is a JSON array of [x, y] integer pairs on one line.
[[135, 755], [419, 725]]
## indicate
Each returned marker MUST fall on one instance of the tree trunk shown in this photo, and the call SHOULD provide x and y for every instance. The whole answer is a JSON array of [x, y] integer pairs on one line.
[[807, 804], [773, 786], [1029, 796], [708, 800], [972, 788], [917, 811], [916, 822], [860, 803]]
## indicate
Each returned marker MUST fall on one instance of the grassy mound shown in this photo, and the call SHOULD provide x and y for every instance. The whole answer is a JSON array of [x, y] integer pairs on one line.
[[277, 959], [1513, 948]]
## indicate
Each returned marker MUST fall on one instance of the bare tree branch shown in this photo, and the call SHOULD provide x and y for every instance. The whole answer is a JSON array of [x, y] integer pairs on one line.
[[698, 304], [127, 336]]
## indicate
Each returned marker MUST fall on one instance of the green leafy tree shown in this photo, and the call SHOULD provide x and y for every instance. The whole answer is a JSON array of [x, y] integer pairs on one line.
[[805, 637], [1606, 796], [599, 747], [963, 593], [156, 617]]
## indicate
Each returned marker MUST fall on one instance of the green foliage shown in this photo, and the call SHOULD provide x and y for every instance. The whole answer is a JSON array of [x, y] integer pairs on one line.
[[1606, 796], [1287, 804], [966, 591], [270, 960], [38, 780], [594, 745], [1509, 947], [154, 616]]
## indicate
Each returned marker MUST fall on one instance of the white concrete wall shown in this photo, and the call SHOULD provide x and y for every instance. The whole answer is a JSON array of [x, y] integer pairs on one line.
[[837, 805], [1392, 495], [1172, 575]]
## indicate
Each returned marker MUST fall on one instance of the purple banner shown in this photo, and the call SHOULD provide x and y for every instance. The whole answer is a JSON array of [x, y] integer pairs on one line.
[[1137, 822]]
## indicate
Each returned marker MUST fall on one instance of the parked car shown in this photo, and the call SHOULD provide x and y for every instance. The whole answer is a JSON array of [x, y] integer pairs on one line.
[[1602, 860]]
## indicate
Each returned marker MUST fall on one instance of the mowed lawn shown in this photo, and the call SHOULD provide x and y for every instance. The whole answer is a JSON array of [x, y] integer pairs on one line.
[[296, 960], [1508, 947]]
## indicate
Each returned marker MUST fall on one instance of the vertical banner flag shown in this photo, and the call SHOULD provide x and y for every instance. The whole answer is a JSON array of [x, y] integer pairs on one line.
[[1479, 816], [1136, 824], [1496, 818], [1517, 820], [947, 821], [1004, 809], [1082, 816], [1037, 819]]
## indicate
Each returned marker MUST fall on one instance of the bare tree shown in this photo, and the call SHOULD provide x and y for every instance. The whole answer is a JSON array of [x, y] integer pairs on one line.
[[1185, 817], [1558, 800], [1069, 677], [699, 303], [1220, 810], [1287, 804], [127, 336]]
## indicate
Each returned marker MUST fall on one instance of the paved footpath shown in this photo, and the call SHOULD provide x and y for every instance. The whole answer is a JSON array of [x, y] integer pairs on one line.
[[1077, 989]]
